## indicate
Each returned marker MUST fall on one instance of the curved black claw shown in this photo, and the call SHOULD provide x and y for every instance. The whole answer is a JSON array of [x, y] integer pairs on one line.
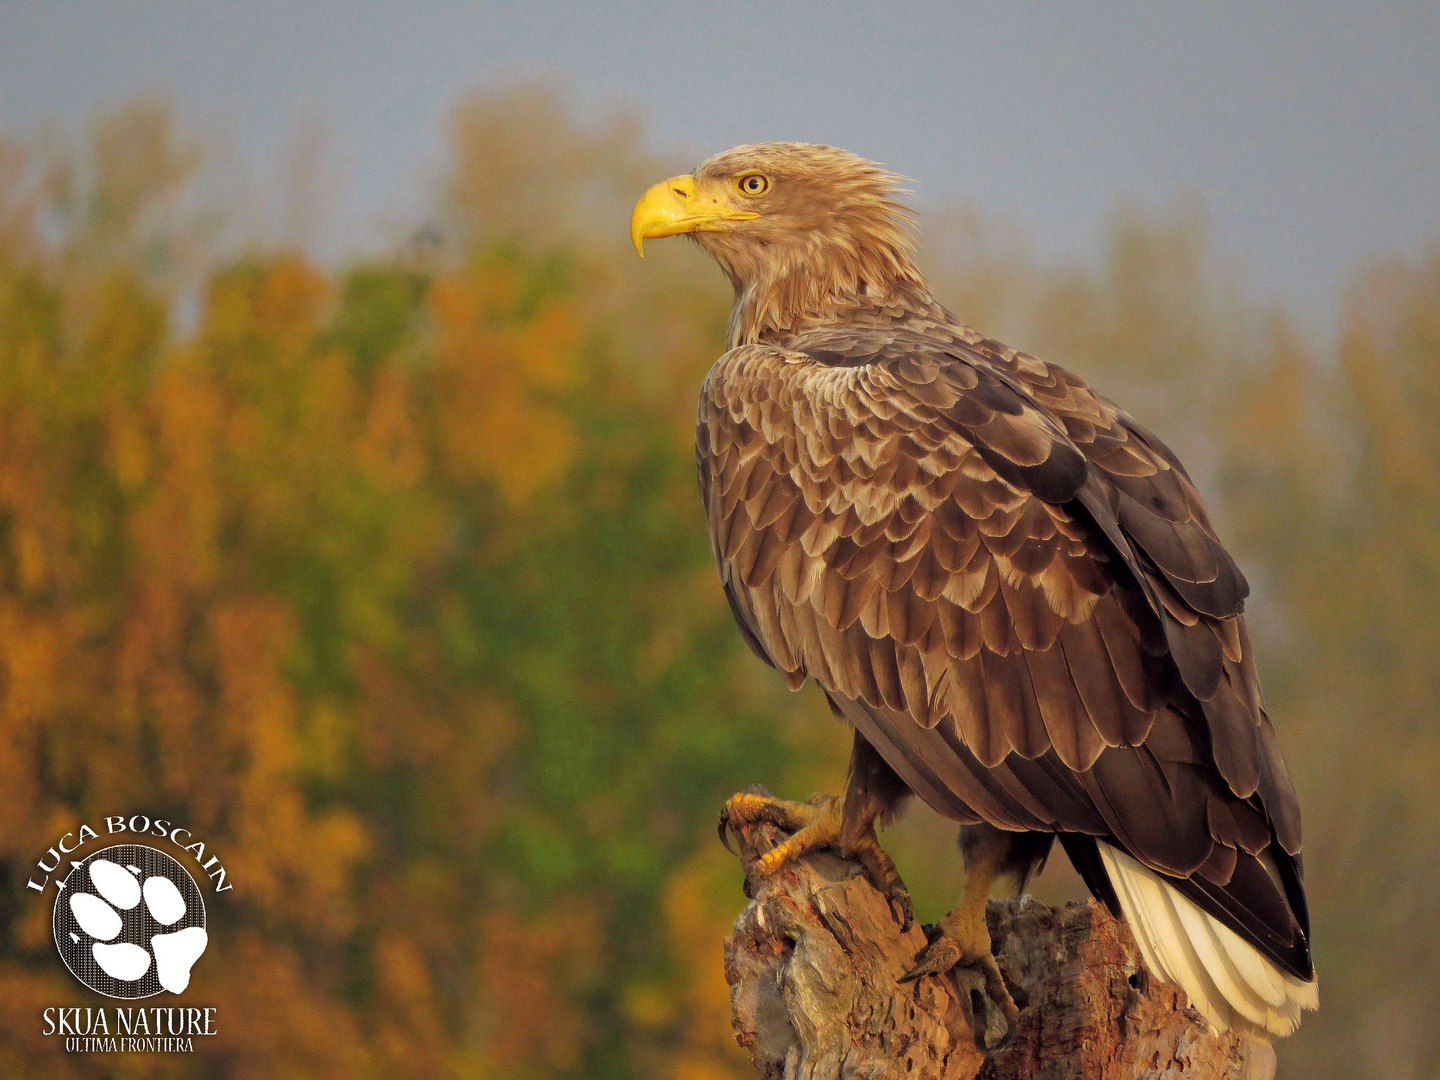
[[902, 908], [730, 822], [723, 828]]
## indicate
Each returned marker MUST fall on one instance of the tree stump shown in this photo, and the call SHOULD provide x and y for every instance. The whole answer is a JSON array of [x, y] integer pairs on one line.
[[815, 958]]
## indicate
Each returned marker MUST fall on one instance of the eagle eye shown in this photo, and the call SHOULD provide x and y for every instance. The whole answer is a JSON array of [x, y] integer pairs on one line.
[[753, 184]]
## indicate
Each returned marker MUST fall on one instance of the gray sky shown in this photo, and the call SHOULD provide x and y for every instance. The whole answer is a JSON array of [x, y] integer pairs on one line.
[[1310, 129]]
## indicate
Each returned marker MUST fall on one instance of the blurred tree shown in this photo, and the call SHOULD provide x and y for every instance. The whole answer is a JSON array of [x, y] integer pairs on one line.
[[395, 588]]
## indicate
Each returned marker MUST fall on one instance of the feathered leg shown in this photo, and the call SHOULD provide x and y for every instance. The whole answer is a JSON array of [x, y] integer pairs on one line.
[[964, 939], [846, 824]]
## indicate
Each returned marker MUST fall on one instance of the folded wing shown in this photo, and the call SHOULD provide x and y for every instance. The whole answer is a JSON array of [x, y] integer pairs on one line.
[[1014, 592]]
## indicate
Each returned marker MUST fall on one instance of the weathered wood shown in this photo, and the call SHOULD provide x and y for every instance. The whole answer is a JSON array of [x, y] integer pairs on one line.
[[814, 963]]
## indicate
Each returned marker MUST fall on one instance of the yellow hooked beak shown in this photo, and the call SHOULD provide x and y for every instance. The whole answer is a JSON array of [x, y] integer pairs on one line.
[[673, 207]]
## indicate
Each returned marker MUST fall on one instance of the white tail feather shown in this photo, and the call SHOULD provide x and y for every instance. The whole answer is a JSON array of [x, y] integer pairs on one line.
[[1226, 978]]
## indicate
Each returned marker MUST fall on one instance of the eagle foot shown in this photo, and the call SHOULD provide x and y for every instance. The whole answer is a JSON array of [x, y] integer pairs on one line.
[[992, 1011], [813, 825]]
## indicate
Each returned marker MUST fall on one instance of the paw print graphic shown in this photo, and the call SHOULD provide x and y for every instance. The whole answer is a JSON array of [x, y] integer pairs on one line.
[[130, 922]]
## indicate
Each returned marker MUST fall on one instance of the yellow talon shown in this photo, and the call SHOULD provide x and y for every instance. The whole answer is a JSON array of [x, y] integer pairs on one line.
[[814, 825], [964, 939]]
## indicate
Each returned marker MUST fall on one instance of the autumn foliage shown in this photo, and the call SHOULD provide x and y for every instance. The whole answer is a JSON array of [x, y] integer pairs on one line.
[[391, 581]]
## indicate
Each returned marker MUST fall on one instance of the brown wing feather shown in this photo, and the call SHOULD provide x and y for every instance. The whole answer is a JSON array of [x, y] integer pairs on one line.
[[1012, 590]]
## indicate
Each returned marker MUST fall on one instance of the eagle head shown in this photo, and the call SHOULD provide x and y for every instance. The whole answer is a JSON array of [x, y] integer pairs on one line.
[[772, 211]]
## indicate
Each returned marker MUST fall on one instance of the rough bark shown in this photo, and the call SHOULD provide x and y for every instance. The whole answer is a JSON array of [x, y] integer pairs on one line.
[[814, 963]]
